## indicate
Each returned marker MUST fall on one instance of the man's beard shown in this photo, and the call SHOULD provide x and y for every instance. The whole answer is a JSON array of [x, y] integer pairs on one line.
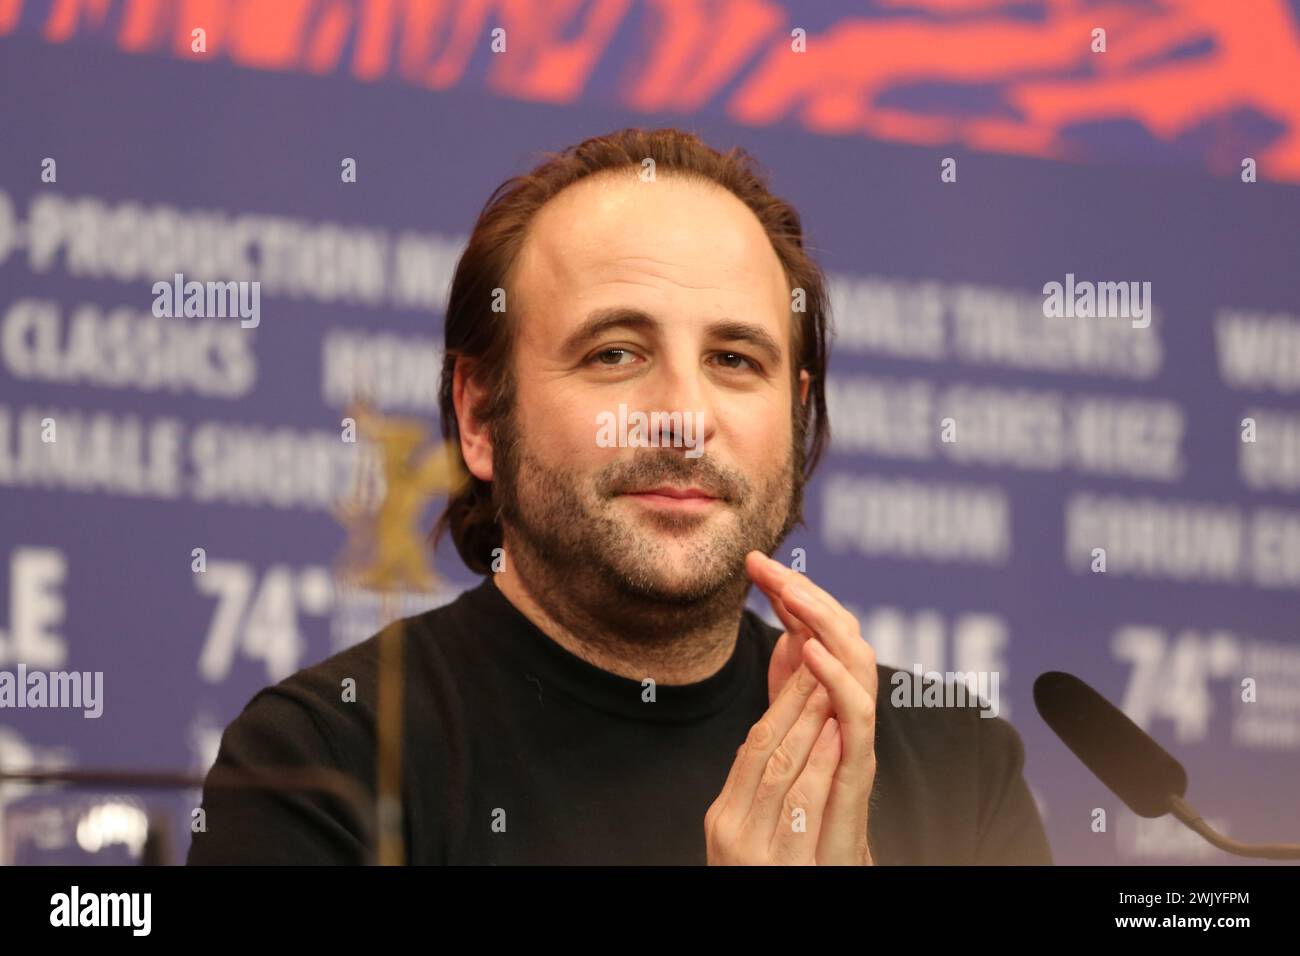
[[576, 536]]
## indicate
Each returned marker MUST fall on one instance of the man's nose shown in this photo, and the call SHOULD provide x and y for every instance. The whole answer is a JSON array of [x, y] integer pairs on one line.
[[682, 386]]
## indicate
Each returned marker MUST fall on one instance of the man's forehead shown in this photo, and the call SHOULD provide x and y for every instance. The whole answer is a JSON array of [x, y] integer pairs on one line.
[[671, 237]]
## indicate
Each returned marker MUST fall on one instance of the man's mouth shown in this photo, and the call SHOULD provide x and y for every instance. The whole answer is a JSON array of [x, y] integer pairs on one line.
[[675, 498]]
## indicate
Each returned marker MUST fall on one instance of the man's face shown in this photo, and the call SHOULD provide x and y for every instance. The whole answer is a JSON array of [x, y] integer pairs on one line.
[[664, 297]]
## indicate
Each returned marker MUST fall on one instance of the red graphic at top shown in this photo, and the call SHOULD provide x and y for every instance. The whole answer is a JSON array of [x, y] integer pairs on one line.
[[1208, 81]]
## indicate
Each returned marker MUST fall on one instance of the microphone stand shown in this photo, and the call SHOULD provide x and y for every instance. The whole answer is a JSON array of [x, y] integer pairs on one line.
[[1266, 851], [292, 779]]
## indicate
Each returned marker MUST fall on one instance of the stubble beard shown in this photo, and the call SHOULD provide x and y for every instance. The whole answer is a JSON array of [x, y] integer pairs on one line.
[[587, 557]]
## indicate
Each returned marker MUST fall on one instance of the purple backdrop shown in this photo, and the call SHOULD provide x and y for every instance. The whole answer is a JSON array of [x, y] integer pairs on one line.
[[1072, 434]]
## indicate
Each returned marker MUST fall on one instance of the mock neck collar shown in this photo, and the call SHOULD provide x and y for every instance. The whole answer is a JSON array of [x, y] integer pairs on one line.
[[545, 659]]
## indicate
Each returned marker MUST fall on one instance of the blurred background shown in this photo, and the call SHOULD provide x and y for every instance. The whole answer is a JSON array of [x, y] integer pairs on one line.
[[950, 158]]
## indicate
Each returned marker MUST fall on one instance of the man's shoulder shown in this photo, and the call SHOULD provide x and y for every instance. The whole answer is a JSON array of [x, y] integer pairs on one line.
[[940, 704], [438, 630], [942, 721], [906, 717], [341, 691]]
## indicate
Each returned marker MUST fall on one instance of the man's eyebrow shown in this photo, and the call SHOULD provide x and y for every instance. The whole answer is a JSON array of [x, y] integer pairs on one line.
[[602, 320], [727, 330], [755, 335]]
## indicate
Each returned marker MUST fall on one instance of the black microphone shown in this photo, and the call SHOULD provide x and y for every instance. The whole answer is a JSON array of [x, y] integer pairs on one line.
[[1128, 761]]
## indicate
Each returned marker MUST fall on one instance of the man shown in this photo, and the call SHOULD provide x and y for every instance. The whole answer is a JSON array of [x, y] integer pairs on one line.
[[603, 696]]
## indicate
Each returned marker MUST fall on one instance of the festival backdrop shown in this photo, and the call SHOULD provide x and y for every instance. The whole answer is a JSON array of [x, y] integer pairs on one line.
[[1110, 491]]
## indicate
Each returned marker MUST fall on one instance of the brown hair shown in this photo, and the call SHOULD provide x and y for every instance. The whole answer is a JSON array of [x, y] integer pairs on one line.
[[476, 333]]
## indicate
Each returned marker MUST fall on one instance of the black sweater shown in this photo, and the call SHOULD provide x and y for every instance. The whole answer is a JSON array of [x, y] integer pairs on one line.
[[517, 751]]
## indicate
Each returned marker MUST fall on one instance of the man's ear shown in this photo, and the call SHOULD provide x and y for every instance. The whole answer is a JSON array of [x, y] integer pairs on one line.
[[475, 442], [805, 380]]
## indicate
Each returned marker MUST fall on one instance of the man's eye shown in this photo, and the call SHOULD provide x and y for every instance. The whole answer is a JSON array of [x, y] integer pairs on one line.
[[734, 360], [603, 357]]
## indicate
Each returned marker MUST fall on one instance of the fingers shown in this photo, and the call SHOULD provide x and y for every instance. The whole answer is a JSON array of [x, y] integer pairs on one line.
[[740, 824], [784, 766], [852, 705], [762, 741], [818, 613], [721, 800], [766, 574], [790, 797], [843, 835], [797, 835], [787, 657], [797, 765], [797, 629]]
